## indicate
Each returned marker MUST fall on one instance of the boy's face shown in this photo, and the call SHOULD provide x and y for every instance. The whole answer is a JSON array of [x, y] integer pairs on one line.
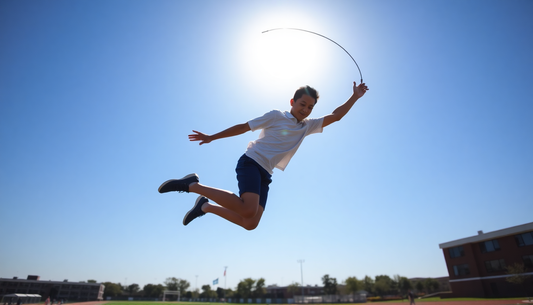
[[302, 107]]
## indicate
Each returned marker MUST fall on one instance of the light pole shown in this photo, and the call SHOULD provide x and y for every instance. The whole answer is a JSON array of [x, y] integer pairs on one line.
[[301, 261]]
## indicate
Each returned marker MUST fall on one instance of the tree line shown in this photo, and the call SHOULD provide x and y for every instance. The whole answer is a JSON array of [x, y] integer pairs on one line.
[[380, 285], [383, 285]]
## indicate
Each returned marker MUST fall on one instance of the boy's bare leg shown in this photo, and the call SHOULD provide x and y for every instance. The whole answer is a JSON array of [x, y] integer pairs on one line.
[[247, 206], [247, 223]]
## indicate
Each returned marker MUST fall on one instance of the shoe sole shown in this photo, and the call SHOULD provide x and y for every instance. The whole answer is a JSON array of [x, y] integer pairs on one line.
[[193, 208], [169, 180]]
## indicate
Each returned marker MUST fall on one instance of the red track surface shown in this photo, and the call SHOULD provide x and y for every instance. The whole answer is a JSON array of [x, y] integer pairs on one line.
[[488, 302]]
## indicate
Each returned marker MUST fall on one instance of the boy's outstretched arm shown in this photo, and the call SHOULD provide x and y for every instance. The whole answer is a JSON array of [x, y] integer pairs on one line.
[[342, 110], [230, 132]]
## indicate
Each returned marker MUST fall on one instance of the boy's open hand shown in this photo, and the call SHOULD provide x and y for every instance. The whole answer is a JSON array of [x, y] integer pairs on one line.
[[198, 136], [360, 90]]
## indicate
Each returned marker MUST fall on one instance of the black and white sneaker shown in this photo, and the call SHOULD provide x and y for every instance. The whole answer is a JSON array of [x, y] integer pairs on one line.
[[196, 211], [178, 185]]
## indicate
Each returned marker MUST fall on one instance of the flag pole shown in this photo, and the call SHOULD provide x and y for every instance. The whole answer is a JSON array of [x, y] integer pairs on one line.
[[225, 267]]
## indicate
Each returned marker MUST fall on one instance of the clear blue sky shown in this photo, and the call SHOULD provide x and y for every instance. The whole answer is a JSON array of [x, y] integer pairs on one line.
[[97, 99]]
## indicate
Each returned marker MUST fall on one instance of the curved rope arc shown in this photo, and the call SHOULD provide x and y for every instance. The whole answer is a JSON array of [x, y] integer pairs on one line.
[[302, 30]]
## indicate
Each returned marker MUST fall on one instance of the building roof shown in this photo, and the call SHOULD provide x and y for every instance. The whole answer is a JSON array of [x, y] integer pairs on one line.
[[49, 282], [488, 236]]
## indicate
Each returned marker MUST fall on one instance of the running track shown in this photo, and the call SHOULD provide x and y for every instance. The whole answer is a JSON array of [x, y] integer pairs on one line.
[[488, 302]]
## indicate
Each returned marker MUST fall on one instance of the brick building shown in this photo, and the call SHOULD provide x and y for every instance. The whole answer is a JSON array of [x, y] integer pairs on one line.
[[65, 290], [477, 264]]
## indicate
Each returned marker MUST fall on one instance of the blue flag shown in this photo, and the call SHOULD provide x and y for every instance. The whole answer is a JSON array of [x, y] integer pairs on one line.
[[215, 282]]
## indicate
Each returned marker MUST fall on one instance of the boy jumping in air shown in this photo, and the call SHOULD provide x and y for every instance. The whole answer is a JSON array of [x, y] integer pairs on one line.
[[281, 135]]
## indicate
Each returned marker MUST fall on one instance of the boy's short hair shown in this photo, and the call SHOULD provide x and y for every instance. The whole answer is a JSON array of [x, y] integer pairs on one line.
[[307, 90]]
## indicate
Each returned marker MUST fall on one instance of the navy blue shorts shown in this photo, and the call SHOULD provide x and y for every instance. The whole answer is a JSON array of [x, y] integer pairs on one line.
[[253, 178]]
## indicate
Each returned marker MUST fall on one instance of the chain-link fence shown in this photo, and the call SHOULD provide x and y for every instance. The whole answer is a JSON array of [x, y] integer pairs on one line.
[[358, 298]]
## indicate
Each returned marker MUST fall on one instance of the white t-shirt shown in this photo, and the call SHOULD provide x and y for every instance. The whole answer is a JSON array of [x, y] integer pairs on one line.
[[280, 138]]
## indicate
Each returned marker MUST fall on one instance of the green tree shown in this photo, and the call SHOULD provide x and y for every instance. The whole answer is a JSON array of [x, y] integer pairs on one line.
[[112, 289], [431, 285], [177, 284], [404, 284], [229, 293], [390, 283], [171, 283], [158, 290], [133, 288], [518, 276], [220, 292], [396, 282], [382, 286], [368, 284], [293, 288], [353, 285], [153, 291], [260, 289], [245, 288], [419, 286], [207, 292], [91, 281], [330, 285], [183, 285]]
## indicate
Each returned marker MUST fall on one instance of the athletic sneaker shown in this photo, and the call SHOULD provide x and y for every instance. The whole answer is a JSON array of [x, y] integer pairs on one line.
[[196, 211], [178, 185]]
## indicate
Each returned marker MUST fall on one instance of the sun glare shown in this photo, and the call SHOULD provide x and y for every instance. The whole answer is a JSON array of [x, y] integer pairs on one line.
[[284, 56], [287, 53], [283, 60]]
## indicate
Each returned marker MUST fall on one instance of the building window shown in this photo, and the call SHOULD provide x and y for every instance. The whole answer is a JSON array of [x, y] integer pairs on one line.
[[524, 239], [461, 269], [528, 261], [489, 246], [495, 265], [457, 251]]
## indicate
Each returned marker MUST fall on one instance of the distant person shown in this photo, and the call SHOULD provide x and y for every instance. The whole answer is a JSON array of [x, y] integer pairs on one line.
[[19, 301], [47, 301], [411, 297], [282, 132]]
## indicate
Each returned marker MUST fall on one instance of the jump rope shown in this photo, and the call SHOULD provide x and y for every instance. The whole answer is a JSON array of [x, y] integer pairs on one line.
[[302, 30]]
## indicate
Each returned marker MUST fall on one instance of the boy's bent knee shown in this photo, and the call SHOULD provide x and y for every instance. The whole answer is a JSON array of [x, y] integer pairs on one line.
[[249, 211], [250, 225]]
